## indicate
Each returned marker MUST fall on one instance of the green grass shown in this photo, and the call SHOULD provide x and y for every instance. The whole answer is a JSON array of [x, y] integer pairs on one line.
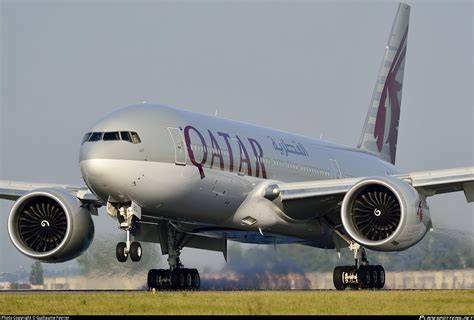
[[242, 302]]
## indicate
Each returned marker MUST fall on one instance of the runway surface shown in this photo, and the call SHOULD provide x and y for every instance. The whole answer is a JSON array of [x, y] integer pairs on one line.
[[30, 291]]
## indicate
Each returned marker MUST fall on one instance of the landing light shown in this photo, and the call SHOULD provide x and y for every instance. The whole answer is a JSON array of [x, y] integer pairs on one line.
[[272, 192]]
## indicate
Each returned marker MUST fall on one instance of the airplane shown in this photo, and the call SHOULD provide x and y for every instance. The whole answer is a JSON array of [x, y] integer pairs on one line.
[[184, 179]]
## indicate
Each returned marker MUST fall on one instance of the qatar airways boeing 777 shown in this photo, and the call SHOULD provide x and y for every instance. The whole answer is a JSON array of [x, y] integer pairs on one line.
[[183, 179]]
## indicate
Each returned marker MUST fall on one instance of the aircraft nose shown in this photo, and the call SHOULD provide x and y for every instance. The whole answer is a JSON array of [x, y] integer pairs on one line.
[[94, 169], [94, 176], [102, 173]]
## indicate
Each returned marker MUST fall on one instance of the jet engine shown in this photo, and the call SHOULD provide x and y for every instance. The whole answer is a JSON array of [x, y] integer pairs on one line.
[[50, 225], [385, 214]]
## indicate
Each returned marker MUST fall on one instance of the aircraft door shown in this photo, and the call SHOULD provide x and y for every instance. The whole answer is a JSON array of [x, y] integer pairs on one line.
[[336, 170], [179, 147]]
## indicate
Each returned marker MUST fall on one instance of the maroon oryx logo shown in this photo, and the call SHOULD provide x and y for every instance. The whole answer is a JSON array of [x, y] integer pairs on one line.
[[391, 90]]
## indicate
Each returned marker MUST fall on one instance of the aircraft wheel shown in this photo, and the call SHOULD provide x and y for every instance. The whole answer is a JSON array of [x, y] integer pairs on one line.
[[175, 279], [120, 252], [135, 251], [373, 277], [364, 277], [337, 278], [188, 278], [181, 279], [161, 279], [151, 279], [196, 279], [380, 277]]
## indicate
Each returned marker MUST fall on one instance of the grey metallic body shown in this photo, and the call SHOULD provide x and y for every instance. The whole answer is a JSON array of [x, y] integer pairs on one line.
[[148, 173]]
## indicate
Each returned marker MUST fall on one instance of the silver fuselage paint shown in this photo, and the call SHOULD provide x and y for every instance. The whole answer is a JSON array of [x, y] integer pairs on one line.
[[205, 177]]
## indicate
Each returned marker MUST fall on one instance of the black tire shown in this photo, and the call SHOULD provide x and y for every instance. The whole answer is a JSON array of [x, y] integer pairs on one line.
[[135, 251], [380, 277], [181, 279], [337, 278], [364, 277], [120, 252], [196, 279], [175, 278], [151, 279], [373, 277], [188, 278], [160, 279]]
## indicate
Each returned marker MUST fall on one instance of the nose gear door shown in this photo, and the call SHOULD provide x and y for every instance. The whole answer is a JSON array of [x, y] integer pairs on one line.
[[179, 149]]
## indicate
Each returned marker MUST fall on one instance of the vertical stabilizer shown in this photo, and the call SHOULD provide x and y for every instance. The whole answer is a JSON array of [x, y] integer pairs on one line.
[[380, 132]]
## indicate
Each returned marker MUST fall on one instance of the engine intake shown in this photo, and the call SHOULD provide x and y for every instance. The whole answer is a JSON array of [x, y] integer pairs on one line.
[[385, 214], [42, 224], [376, 212], [50, 225]]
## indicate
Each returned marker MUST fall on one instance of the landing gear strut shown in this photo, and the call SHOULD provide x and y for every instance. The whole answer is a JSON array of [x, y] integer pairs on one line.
[[361, 275], [124, 249], [176, 277]]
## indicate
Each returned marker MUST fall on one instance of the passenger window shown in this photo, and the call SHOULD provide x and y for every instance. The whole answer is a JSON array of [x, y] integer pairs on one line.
[[96, 136], [111, 136], [135, 137], [86, 137], [126, 136]]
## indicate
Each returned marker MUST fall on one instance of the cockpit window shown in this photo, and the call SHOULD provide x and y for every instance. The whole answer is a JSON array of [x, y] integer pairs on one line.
[[131, 137], [96, 136], [135, 137], [111, 136], [126, 136], [86, 137]]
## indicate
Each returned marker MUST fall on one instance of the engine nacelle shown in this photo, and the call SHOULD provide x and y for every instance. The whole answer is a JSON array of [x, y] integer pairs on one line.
[[385, 214], [50, 225]]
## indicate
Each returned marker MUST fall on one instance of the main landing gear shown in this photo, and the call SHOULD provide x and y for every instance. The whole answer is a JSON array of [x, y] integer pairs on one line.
[[176, 277], [361, 275]]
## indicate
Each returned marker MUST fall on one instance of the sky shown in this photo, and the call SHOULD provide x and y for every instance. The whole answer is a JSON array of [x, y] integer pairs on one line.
[[306, 67]]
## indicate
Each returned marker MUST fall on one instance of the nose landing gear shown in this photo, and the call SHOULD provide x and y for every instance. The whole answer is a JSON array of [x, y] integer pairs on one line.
[[127, 220]]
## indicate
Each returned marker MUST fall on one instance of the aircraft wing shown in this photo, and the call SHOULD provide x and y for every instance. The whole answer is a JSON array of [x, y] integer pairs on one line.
[[302, 200], [12, 190], [435, 182]]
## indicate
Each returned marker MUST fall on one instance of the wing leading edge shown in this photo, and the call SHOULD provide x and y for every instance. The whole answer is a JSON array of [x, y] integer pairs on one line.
[[12, 190], [313, 199]]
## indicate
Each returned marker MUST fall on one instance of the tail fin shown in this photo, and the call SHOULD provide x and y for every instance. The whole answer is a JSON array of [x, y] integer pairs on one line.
[[380, 132]]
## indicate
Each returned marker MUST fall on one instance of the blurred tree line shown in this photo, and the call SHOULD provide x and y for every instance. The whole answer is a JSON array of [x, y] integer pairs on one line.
[[441, 249], [36, 274]]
